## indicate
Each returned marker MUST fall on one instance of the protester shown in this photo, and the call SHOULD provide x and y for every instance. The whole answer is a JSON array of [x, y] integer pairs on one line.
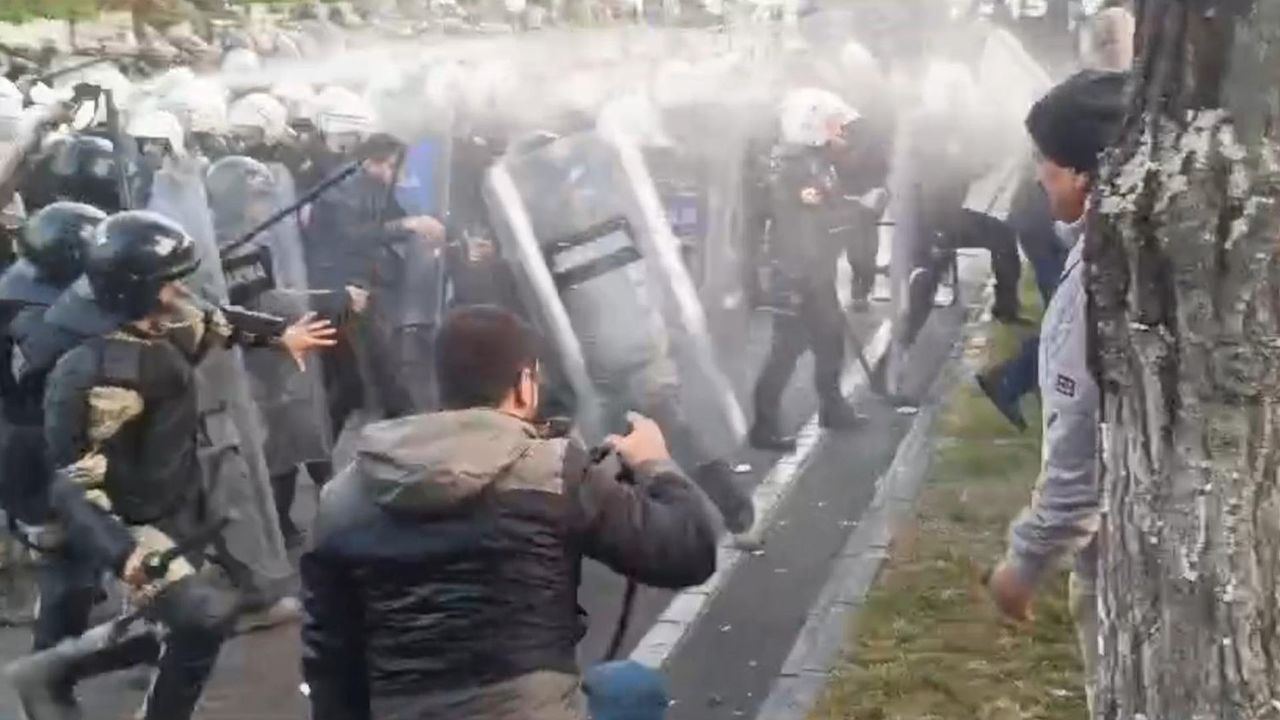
[[443, 582], [1071, 126]]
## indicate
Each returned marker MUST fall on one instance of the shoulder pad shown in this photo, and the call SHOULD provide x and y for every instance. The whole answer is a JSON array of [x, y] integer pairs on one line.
[[121, 360]]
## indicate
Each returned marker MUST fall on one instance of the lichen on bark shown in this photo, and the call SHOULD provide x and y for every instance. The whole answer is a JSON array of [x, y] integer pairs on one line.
[[1184, 274]]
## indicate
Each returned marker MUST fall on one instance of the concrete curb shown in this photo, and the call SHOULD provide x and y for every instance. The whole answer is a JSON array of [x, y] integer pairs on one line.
[[806, 671], [675, 623], [818, 646]]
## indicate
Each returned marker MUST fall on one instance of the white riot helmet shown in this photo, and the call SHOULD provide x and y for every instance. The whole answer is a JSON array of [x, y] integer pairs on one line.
[[299, 102], [813, 117], [258, 118], [151, 126], [200, 105], [241, 61], [344, 118], [10, 109], [633, 118]]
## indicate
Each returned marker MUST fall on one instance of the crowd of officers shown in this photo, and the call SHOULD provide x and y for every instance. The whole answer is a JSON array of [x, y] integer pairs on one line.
[[182, 340]]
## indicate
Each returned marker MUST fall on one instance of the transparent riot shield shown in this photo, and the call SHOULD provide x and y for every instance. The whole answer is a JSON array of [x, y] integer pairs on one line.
[[235, 470], [285, 240], [580, 220]]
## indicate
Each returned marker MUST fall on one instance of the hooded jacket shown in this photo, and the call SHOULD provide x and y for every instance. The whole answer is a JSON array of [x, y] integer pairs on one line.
[[443, 582]]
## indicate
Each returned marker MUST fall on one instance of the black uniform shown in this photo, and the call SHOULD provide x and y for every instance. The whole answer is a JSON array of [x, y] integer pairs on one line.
[[807, 205], [121, 419], [52, 246]]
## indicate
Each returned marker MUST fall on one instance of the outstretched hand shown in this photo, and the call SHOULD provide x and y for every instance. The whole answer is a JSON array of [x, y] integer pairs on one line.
[[306, 335]]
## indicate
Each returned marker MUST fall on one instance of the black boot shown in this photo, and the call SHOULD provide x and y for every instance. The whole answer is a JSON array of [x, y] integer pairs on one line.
[[765, 436], [839, 415], [990, 382], [717, 481]]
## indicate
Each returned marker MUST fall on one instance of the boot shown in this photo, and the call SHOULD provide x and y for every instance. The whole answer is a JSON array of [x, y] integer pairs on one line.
[[765, 436], [45, 681], [839, 415], [990, 383], [717, 481]]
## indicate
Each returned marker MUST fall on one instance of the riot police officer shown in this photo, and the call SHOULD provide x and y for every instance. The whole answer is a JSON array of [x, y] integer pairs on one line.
[[52, 247], [121, 420], [807, 206]]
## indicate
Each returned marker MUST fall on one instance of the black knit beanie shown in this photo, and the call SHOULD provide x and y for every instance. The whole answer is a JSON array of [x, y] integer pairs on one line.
[[1079, 118]]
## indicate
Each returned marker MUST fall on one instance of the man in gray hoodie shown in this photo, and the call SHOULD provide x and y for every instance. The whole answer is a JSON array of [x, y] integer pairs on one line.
[[443, 583], [1071, 126]]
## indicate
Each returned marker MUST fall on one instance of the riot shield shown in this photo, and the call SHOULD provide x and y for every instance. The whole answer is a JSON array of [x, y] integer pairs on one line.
[[242, 194], [178, 193], [235, 470], [600, 271], [289, 260]]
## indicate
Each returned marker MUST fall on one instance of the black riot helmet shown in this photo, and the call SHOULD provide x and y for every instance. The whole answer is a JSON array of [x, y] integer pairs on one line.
[[133, 256], [85, 168], [57, 239]]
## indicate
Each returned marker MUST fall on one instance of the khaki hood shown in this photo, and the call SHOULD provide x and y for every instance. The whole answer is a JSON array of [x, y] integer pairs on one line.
[[428, 465]]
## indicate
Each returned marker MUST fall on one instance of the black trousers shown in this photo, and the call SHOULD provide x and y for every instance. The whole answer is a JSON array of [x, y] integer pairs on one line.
[[934, 253], [182, 632], [861, 243], [284, 489], [817, 326]]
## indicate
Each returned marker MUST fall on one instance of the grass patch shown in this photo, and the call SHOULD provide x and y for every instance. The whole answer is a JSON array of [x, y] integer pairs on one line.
[[928, 645]]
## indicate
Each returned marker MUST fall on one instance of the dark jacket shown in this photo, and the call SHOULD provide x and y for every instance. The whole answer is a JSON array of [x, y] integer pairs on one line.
[[347, 232], [802, 243], [444, 577]]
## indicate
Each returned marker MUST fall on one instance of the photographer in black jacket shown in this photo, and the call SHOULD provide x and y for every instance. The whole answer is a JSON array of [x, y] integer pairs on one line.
[[444, 579]]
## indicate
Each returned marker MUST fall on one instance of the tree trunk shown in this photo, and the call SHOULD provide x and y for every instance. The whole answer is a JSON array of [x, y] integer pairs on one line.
[[1184, 253]]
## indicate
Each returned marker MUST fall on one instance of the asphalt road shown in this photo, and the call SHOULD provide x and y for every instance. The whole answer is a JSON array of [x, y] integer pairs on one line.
[[724, 666]]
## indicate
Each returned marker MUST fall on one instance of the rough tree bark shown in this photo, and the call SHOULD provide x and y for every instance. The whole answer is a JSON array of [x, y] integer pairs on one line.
[[1184, 252]]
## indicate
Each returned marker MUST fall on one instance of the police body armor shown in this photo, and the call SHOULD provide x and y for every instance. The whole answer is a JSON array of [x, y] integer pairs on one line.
[[805, 197], [153, 470], [24, 469]]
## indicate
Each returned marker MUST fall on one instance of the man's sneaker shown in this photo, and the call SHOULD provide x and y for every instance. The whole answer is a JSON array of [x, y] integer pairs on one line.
[[764, 437], [1011, 410], [285, 611], [840, 416]]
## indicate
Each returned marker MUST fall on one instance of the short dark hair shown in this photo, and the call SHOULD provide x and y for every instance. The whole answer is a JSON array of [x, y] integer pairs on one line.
[[379, 146], [480, 353]]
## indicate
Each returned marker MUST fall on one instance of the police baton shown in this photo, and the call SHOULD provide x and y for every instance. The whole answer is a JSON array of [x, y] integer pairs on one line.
[[155, 565], [323, 186]]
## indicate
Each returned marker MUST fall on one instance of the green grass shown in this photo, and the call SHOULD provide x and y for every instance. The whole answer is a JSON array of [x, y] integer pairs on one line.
[[24, 10], [928, 645]]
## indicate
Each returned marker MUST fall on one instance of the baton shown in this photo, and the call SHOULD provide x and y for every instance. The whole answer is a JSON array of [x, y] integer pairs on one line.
[[342, 174], [117, 150], [155, 565]]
